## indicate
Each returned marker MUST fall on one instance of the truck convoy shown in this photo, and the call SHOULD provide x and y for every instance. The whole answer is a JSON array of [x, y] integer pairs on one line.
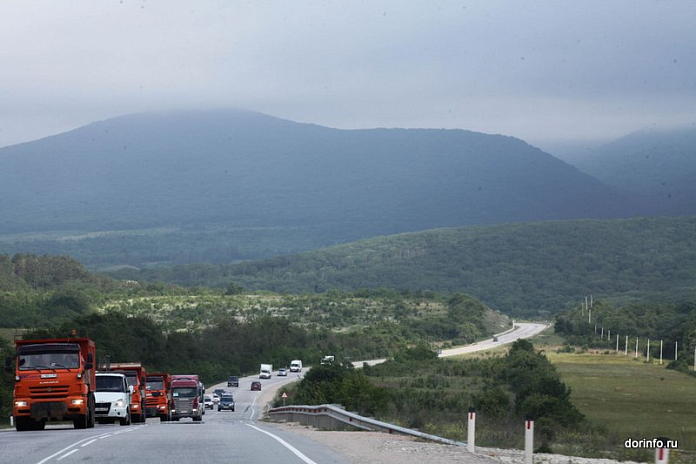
[[187, 395], [266, 370], [135, 375], [54, 380], [296, 365], [112, 398], [158, 398]]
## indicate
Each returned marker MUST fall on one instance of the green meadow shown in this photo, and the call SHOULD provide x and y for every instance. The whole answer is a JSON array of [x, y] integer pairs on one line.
[[631, 398]]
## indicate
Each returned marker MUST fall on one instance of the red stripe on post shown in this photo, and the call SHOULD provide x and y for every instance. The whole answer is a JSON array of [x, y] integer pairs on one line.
[[661, 454], [529, 425]]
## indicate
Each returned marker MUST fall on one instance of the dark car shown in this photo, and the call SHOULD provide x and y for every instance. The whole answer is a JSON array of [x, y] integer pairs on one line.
[[256, 386], [220, 392], [226, 402], [233, 381]]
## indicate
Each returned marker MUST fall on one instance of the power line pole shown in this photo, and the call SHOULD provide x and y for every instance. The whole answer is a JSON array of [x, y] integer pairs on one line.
[[626, 347]]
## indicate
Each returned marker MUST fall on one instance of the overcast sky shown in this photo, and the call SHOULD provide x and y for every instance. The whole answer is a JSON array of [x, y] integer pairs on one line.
[[542, 70]]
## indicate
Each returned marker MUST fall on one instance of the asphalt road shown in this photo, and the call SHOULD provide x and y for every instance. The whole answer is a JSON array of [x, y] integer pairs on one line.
[[222, 436]]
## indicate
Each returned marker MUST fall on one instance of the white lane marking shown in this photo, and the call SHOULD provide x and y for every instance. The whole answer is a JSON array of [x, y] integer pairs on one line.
[[67, 454], [88, 443], [252, 407], [101, 435], [295, 451]]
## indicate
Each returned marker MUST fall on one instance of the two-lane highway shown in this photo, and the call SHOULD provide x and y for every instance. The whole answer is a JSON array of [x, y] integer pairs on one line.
[[222, 437]]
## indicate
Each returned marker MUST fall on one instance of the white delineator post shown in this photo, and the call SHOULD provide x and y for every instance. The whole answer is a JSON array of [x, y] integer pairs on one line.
[[471, 430], [528, 441], [662, 454]]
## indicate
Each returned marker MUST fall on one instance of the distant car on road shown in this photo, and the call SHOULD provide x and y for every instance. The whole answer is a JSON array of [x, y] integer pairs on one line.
[[282, 372], [216, 398], [219, 391], [226, 402], [495, 339], [208, 402], [233, 381], [256, 385]]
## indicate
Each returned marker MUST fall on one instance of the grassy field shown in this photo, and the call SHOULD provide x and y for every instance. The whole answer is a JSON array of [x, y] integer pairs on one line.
[[631, 398]]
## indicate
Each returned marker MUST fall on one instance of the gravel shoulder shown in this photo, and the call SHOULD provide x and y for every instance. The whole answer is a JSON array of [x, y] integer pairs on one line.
[[360, 447]]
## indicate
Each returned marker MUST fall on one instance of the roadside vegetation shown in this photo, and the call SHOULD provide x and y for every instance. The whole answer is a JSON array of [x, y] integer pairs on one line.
[[218, 333]]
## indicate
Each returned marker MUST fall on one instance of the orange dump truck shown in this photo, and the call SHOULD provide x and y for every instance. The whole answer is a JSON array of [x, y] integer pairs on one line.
[[159, 396], [54, 380], [136, 376]]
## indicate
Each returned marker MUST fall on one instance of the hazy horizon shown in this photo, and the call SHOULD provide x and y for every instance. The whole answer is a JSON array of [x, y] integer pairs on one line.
[[546, 72]]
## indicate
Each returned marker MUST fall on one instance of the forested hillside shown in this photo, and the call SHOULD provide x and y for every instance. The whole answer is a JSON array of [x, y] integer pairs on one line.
[[660, 165], [525, 269], [228, 185]]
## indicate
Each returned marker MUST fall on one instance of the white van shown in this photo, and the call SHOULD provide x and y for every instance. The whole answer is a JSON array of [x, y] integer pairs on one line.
[[296, 366], [112, 398]]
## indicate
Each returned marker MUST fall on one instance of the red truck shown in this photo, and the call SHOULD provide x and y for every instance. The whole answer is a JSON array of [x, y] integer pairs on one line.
[[136, 376], [159, 396], [54, 380], [187, 395]]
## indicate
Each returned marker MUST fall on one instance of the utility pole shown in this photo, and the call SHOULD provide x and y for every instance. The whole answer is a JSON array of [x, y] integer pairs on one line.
[[617, 343], [626, 347], [636, 356], [660, 352], [647, 352]]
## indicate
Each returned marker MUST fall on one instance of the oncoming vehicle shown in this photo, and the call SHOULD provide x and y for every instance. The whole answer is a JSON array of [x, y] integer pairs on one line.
[[282, 372], [233, 381], [255, 385], [208, 402], [226, 402], [112, 398], [54, 380], [187, 395]]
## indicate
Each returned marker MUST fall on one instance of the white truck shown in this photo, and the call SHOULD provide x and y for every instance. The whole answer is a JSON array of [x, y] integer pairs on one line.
[[112, 398], [327, 360], [296, 365], [266, 370]]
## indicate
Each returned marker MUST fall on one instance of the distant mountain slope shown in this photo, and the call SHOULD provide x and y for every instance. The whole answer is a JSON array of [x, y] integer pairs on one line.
[[249, 169], [659, 164], [516, 268]]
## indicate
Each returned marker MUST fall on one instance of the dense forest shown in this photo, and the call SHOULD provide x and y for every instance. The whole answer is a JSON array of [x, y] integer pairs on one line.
[[522, 269]]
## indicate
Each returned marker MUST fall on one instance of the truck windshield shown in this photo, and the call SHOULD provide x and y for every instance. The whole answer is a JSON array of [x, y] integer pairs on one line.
[[132, 379], [110, 383], [47, 360], [185, 392], [155, 384]]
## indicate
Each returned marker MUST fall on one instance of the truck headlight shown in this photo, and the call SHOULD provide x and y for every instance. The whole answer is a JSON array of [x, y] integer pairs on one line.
[[21, 404], [136, 406], [80, 401], [119, 404]]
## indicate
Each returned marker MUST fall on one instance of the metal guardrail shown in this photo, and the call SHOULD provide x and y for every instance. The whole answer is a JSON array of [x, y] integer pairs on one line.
[[339, 414]]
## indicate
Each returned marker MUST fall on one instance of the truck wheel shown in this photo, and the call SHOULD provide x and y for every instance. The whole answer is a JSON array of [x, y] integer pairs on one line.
[[91, 405], [198, 419], [126, 420], [22, 424], [135, 418], [80, 422]]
